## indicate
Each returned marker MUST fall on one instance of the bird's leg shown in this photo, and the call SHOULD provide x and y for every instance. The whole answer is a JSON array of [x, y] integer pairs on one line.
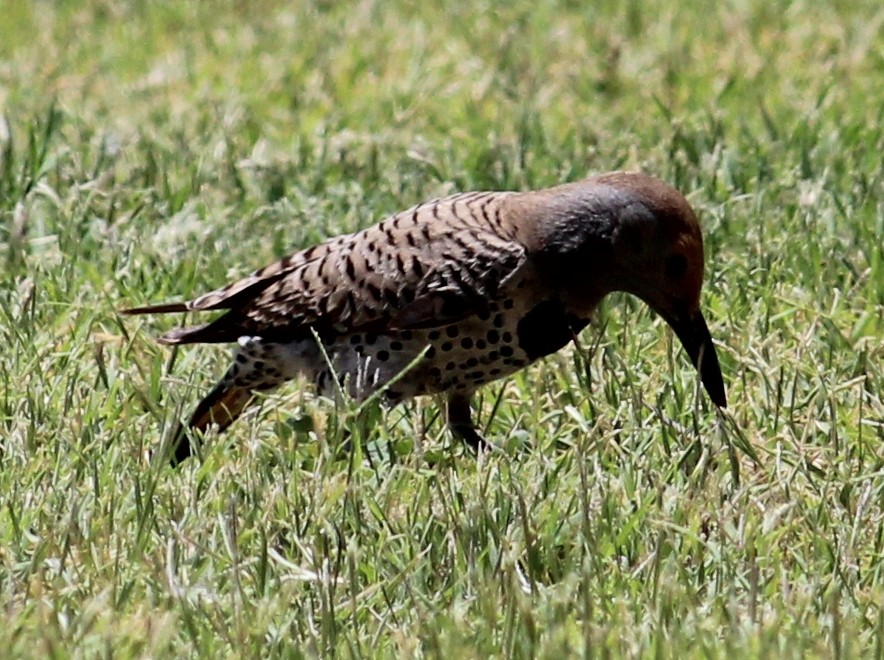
[[460, 421]]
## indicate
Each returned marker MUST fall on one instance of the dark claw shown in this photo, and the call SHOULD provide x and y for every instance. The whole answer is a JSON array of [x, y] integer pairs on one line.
[[460, 422]]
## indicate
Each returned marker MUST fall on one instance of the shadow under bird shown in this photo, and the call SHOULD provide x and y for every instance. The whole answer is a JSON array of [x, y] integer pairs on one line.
[[463, 290]]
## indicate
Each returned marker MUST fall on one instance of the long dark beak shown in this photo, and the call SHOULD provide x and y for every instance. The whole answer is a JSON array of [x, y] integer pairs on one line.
[[694, 335]]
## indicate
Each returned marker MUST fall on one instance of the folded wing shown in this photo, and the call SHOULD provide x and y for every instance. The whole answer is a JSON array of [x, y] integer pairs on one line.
[[428, 266]]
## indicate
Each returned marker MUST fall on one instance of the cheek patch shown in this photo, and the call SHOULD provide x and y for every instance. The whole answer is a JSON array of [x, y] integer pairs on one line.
[[690, 249], [676, 266]]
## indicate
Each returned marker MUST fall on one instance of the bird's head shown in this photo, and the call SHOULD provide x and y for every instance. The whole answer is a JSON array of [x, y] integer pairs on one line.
[[658, 245], [634, 233]]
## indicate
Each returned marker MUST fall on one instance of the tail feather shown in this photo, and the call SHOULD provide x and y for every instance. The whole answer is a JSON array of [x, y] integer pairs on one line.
[[166, 308], [221, 407], [217, 332], [191, 335], [223, 330]]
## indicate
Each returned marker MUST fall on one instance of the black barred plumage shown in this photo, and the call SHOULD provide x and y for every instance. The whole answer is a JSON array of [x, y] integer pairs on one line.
[[477, 285]]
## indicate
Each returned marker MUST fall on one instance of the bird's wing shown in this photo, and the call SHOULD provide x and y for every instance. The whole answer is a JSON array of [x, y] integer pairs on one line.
[[428, 266]]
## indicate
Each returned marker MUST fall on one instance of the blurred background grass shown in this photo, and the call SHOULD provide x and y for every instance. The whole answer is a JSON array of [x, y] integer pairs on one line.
[[153, 150]]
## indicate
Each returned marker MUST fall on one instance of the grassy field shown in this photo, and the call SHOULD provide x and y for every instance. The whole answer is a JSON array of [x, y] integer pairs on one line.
[[150, 151]]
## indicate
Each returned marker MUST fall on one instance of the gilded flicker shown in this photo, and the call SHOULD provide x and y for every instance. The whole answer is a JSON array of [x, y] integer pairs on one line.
[[459, 291]]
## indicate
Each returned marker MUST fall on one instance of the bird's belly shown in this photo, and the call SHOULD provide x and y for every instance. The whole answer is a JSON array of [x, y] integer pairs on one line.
[[459, 357]]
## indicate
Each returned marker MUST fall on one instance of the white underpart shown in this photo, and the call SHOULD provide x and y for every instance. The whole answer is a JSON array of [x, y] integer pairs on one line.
[[340, 363]]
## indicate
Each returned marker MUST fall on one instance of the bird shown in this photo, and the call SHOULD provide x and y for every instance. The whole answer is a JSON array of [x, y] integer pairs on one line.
[[452, 294]]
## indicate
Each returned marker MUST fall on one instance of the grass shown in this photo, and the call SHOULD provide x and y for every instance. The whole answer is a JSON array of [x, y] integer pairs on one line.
[[152, 151]]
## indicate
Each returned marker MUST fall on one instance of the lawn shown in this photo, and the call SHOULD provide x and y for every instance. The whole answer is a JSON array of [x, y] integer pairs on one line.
[[152, 151]]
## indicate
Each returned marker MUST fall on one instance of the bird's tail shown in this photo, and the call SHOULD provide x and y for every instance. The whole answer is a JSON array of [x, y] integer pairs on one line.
[[221, 407]]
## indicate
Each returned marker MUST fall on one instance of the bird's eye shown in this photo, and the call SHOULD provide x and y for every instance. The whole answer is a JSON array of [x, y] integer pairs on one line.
[[676, 266]]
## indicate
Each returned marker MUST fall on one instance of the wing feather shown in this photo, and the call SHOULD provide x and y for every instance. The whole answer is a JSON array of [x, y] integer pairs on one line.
[[427, 266]]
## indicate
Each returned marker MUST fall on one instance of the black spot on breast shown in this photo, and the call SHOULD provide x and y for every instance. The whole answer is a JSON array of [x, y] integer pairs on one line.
[[355, 339], [480, 344], [447, 346], [493, 336], [547, 328], [451, 331], [466, 342], [396, 345], [434, 335], [406, 335], [506, 351], [383, 356]]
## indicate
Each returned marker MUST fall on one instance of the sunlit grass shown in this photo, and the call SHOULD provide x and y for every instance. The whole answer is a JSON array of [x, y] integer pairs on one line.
[[153, 151]]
